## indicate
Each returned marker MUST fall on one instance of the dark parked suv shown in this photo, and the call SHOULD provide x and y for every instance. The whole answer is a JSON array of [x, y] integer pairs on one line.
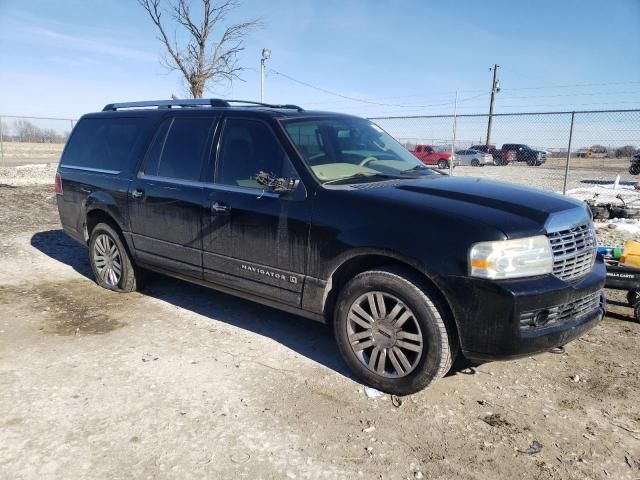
[[524, 153], [326, 216]]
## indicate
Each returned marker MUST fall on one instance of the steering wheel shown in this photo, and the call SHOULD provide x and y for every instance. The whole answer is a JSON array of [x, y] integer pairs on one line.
[[367, 160]]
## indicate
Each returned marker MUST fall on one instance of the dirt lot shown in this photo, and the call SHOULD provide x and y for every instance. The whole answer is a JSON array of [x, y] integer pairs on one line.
[[182, 382]]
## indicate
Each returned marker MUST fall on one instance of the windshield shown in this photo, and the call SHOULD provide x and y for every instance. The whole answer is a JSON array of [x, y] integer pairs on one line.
[[340, 148]]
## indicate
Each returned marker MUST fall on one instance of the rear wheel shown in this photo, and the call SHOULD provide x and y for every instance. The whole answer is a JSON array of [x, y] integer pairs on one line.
[[110, 260], [391, 331], [475, 162], [442, 164], [634, 169]]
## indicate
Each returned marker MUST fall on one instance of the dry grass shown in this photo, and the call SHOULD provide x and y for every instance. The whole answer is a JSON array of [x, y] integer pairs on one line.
[[26, 151]]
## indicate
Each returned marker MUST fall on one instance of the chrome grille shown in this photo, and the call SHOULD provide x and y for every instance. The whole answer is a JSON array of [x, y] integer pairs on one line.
[[561, 313], [574, 251]]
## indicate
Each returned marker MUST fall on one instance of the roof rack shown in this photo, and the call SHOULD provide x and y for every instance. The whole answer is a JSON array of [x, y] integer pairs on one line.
[[193, 102]]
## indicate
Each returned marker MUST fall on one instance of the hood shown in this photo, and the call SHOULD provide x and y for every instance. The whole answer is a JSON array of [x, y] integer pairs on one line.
[[515, 210]]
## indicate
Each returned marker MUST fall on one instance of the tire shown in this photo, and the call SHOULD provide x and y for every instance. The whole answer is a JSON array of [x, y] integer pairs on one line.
[[633, 297], [636, 313], [600, 212], [442, 164], [475, 162], [531, 163], [634, 169], [426, 318], [104, 237]]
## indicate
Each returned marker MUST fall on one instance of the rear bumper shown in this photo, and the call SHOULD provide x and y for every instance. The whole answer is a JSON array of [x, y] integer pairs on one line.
[[488, 313]]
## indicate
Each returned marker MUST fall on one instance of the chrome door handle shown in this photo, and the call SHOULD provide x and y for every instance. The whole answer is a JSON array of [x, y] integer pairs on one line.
[[220, 208], [137, 193]]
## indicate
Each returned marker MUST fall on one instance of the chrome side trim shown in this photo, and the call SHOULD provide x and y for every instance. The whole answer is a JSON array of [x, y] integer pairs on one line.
[[211, 186], [237, 189], [175, 181], [88, 169]]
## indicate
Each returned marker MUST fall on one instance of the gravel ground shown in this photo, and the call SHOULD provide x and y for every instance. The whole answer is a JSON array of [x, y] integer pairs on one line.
[[179, 381], [547, 178]]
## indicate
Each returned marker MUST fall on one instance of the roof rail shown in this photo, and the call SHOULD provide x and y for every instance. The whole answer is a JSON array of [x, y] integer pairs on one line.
[[287, 106], [192, 102]]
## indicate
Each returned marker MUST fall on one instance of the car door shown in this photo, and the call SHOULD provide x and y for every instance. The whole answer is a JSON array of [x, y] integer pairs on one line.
[[462, 157], [167, 194], [254, 240]]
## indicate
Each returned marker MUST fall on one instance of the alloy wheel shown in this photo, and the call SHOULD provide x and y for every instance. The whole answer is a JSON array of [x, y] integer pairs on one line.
[[384, 334], [107, 260]]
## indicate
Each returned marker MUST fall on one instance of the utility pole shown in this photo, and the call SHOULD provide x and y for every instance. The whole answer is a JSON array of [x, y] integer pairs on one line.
[[266, 53], [453, 141], [495, 88]]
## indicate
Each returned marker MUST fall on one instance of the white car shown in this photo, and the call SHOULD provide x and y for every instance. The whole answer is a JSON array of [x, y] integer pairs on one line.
[[474, 158]]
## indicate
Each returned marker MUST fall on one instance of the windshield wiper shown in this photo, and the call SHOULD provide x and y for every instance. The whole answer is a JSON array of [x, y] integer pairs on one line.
[[360, 175], [415, 169]]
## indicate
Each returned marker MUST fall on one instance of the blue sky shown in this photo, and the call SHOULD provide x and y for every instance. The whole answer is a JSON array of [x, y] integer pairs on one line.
[[68, 57]]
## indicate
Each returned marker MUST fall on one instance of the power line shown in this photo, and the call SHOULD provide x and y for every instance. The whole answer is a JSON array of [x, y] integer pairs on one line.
[[415, 112], [590, 94], [577, 85], [372, 100], [363, 100]]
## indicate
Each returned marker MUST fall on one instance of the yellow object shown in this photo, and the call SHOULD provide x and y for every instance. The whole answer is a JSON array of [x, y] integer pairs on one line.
[[631, 255]]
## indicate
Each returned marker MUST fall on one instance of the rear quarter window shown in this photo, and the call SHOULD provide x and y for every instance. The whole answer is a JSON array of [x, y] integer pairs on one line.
[[103, 143]]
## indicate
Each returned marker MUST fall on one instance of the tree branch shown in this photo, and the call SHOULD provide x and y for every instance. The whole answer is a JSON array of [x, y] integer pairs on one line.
[[200, 59]]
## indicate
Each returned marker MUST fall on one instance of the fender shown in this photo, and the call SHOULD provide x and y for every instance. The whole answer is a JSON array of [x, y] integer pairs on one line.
[[317, 291], [102, 201]]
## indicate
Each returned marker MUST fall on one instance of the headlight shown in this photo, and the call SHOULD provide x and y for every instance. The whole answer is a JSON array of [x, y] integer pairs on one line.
[[524, 257]]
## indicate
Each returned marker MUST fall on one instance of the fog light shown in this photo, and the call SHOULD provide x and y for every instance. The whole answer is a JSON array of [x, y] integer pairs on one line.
[[541, 318]]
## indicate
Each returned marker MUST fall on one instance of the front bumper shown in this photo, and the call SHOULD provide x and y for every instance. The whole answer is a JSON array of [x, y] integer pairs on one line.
[[488, 313]]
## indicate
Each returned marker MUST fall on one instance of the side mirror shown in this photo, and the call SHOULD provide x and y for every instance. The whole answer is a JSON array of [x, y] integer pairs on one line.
[[279, 185]]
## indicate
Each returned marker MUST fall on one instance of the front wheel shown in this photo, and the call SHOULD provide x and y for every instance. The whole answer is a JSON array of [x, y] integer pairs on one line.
[[442, 164], [633, 298], [110, 260], [475, 162], [531, 163], [634, 169], [391, 332]]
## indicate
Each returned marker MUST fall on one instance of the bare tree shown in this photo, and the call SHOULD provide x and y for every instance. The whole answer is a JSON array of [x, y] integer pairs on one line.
[[201, 58], [625, 151]]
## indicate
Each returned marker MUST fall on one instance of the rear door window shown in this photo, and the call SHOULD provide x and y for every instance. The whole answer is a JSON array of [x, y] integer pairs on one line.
[[179, 154], [104, 143], [153, 157]]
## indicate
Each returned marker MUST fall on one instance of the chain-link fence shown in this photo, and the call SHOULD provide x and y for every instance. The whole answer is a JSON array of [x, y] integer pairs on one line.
[[596, 146], [27, 140]]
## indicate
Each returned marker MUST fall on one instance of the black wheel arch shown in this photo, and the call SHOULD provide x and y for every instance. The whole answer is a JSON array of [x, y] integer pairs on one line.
[[360, 262]]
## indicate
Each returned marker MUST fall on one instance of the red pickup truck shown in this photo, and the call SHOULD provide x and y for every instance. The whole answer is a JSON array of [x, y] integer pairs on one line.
[[430, 155]]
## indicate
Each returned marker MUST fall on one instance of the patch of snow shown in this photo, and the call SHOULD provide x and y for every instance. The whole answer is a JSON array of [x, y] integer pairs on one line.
[[608, 194], [32, 174], [629, 225], [372, 392]]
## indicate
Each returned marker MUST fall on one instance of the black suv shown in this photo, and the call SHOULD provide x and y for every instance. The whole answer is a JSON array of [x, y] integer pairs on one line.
[[326, 216], [520, 152]]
